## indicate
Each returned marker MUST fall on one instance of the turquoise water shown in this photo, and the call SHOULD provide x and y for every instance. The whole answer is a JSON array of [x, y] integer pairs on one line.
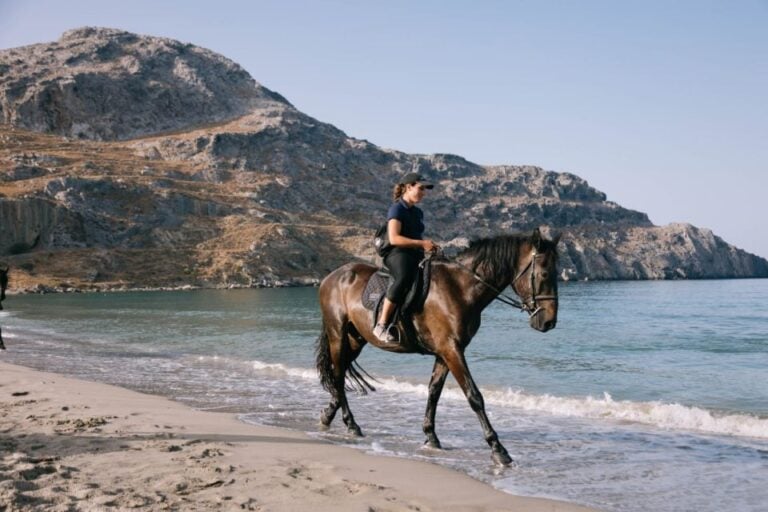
[[647, 396]]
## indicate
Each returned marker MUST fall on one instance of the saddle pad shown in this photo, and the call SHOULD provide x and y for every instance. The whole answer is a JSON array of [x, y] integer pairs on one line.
[[375, 290], [373, 297], [414, 300]]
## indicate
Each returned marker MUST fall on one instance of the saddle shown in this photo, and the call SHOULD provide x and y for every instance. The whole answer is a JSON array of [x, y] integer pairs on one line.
[[375, 291]]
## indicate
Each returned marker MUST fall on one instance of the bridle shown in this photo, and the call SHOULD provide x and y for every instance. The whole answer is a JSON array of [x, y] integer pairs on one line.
[[533, 308], [529, 304]]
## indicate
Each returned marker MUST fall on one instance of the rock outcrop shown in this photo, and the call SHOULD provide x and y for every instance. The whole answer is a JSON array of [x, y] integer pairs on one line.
[[245, 190], [107, 84]]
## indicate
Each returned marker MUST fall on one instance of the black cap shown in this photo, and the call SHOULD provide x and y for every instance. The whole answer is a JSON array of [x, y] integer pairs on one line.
[[414, 177]]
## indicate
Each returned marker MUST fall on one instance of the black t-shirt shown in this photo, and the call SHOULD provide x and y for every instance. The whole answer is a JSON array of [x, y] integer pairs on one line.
[[411, 219]]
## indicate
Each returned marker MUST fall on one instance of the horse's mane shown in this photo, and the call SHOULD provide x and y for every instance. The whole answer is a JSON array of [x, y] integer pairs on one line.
[[496, 257]]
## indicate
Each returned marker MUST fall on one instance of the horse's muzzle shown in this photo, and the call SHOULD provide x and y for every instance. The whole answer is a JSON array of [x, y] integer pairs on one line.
[[542, 324]]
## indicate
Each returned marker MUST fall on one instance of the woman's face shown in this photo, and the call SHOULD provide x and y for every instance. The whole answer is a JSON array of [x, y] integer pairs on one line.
[[414, 192]]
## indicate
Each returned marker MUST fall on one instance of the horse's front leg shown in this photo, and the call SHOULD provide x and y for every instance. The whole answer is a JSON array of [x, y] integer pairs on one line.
[[439, 373], [458, 366]]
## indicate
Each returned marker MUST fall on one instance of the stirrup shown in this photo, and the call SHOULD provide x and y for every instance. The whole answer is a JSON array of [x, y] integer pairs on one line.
[[386, 333]]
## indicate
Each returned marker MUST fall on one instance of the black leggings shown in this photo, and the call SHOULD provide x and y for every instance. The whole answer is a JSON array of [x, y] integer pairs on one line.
[[402, 265]]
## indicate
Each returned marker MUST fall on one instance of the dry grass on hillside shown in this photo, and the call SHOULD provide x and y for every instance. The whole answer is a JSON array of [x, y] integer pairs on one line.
[[204, 250]]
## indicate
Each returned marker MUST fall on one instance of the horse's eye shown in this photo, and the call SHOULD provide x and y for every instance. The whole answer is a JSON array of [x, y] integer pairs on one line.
[[544, 274]]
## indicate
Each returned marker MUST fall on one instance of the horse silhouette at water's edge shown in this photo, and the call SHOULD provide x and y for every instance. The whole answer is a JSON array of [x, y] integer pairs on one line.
[[460, 289], [3, 287]]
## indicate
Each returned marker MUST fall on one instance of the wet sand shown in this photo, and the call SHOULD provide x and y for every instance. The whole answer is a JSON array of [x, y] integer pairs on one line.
[[68, 444]]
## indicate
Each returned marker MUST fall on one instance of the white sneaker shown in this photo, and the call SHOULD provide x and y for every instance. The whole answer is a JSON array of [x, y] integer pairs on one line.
[[385, 333]]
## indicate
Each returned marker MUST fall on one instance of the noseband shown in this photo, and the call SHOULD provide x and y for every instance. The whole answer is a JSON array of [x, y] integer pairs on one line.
[[531, 303]]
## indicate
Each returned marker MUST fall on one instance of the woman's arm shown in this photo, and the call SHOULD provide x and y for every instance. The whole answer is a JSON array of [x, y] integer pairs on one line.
[[394, 227]]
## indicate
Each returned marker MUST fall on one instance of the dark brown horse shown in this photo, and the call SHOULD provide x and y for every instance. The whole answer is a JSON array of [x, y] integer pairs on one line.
[[460, 289], [3, 286]]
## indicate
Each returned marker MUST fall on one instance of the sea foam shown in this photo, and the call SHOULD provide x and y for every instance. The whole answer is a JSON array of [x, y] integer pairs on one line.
[[668, 416], [671, 416]]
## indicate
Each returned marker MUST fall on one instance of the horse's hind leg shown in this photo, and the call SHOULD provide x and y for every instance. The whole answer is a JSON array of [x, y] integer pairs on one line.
[[439, 373], [347, 354], [326, 417], [346, 414], [340, 355], [327, 346]]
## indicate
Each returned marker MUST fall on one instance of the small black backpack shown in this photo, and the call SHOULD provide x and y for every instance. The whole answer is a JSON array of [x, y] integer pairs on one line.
[[381, 241]]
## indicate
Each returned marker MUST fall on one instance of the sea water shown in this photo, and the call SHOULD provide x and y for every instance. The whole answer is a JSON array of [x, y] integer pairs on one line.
[[647, 395]]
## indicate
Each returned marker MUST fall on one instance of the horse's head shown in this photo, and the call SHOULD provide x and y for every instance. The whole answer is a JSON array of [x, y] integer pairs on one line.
[[535, 280]]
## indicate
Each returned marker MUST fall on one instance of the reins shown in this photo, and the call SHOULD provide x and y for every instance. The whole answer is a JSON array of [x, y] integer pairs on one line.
[[531, 309], [500, 295]]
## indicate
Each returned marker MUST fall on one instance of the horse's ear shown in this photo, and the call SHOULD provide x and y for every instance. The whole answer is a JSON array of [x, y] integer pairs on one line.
[[536, 238]]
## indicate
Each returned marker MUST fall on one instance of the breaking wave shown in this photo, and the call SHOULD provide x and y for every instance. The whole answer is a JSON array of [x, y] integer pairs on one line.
[[668, 416]]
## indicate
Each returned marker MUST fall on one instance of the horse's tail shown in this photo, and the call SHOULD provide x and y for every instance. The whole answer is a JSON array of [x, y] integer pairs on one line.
[[323, 360], [358, 379], [324, 365]]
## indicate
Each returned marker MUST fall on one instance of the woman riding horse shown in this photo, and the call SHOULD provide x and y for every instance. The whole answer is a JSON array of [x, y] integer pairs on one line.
[[459, 291], [405, 229]]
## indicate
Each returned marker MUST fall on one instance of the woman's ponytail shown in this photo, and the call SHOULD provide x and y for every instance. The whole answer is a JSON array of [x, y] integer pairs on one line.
[[398, 191]]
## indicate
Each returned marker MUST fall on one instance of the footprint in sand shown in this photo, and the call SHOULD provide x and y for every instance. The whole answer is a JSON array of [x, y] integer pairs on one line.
[[84, 491], [81, 424], [208, 453]]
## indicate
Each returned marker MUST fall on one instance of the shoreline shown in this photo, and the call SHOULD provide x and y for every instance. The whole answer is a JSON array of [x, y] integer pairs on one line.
[[85, 445], [49, 290], [41, 289]]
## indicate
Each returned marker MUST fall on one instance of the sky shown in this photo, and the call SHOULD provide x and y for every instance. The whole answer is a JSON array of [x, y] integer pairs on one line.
[[662, 105]]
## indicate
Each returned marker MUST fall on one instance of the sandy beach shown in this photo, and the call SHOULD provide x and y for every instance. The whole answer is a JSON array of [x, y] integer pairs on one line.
[[67, 444]]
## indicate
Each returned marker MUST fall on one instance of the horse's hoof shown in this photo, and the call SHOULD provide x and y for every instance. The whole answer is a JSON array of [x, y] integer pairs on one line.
[[501, 458], [355, 431], [433, 444]]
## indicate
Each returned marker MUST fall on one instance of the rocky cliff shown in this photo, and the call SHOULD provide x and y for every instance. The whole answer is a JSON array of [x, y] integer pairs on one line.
[[129, 161], [107, 84]]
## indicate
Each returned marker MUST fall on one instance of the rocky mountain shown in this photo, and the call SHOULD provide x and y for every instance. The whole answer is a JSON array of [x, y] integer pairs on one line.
[[106, 84], [135, 161]]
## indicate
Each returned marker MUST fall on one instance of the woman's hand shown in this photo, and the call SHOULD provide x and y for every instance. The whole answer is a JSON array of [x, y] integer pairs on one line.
[[430, 246]]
